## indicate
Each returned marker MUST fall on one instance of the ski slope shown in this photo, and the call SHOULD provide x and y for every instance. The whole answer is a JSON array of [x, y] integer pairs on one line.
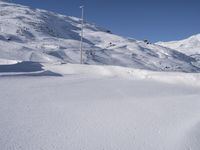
[[99, 107], [37, 35]]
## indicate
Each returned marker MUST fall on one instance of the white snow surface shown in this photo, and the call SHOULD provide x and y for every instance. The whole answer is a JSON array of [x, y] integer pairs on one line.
[[101, 108], [8, 62], [46, 104], [188, 46], [41, 36]]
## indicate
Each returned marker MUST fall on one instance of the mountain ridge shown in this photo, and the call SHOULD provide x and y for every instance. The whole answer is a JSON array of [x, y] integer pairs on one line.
[[190, 45]]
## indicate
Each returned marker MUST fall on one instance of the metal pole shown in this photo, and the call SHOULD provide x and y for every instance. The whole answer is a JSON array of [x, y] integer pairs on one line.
[[81, 42]]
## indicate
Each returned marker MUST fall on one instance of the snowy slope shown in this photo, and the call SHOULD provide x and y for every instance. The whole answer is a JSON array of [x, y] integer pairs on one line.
[[37, 35], [100, 108], [188, 46]]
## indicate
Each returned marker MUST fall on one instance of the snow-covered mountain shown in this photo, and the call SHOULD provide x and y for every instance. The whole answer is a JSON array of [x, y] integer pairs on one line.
[[37, 35], [188, 46]]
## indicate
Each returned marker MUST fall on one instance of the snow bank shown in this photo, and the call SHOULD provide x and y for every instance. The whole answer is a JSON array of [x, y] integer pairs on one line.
[[8, 62], [99, 108], [128, 73]]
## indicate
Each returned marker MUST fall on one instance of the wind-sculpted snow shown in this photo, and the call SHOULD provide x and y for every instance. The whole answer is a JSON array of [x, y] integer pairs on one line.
[[24, 69], [41, 36], [192, 79], [6, 62], [21, 67], [115, 101], [100, 107]]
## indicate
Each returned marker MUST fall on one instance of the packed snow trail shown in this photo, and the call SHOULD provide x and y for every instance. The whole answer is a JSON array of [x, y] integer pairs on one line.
[[85, 111]]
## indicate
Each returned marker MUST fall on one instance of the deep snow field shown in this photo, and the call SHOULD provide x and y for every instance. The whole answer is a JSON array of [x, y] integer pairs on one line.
[[131, 95], [87, 107]]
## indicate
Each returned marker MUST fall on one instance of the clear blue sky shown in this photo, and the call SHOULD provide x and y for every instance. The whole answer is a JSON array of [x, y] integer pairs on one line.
[[141, 19]]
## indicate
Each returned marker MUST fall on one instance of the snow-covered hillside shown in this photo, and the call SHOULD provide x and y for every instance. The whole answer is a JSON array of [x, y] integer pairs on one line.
[[50, 102], [188, 46], [37, 35]]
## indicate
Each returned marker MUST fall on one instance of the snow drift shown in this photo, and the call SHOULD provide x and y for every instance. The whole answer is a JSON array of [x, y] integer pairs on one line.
[[100, 107]]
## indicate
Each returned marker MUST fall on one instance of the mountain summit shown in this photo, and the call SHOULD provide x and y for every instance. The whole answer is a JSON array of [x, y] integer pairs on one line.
[[189, 46], [38, 35]]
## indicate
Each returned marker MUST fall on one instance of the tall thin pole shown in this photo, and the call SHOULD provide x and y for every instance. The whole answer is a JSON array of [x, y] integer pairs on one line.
[[81, 42]]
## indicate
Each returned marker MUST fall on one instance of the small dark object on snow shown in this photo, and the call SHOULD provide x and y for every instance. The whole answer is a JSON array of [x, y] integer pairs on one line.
[[147, 42], [108, 31], [8, 38]]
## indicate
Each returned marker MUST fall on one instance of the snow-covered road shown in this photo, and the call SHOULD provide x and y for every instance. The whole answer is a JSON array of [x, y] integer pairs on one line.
[[83, 111]]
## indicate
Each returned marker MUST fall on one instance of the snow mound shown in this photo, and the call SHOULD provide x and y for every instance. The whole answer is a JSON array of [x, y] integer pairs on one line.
[[127, 73], [8, 62], [100, 107], [24, 69]]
